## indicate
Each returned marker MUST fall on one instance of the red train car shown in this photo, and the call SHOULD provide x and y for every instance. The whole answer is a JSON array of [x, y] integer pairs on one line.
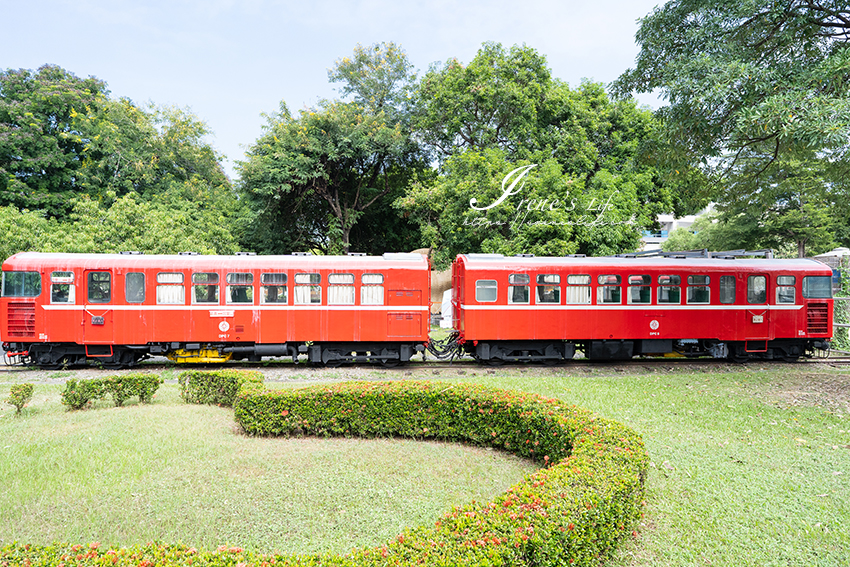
[[526, 308], [64, 309]]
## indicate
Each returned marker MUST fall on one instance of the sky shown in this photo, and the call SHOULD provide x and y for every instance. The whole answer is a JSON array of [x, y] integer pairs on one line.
[[230, 61]]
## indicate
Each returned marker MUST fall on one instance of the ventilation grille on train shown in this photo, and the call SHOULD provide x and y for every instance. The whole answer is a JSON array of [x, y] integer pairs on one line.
[[817, 318], [21, 319]]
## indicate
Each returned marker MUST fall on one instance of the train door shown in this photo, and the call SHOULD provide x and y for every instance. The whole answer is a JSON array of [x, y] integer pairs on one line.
[[98, 320], [458, 321], [757, 323]]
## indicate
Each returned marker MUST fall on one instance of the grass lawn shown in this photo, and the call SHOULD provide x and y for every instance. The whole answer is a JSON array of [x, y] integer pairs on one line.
[[747, 468], [176, 472], [750, 466]]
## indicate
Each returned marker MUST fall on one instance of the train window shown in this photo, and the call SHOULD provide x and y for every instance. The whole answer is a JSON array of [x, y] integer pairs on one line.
[[639, 289], [169, 289], [698, 291], [609, 289], [273, 279], [100, 287], [240, 294], [699, 294], [242, 278], [205, 287], [817, 287], [273, 288], [21, 284], [548, 290], [727, 289], [669, 289], [578, 289], [341, 289], [486, 290], [519, 288], [169, 278], [240, 287], [307, 289], [372, 290], [757, 289], [785, 290], [134, 287], [62, 287]]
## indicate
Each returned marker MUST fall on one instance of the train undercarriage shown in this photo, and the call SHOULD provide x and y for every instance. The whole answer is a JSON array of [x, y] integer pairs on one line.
[[553, 352], [53, 356]]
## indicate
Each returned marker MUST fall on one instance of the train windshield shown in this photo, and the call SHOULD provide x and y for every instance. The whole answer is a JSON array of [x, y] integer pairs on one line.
[[817, 287], [21, 284]]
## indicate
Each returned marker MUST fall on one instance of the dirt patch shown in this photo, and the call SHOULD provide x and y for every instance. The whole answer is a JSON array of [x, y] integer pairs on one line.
[[830, 391]]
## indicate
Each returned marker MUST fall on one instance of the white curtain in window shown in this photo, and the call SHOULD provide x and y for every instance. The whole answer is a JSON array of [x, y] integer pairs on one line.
[[578, 294], [341, 295], [170, 295], [372, 295]]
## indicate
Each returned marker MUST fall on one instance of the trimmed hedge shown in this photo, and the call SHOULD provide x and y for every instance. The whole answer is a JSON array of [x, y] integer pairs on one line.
[[573, 511], [20, 395], [217, 387], [77, 394]]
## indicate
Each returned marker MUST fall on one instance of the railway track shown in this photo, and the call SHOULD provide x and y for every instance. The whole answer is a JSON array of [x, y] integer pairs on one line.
[[468, 364]]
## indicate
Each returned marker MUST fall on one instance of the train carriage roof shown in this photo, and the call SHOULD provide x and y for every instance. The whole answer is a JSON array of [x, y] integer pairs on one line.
[[500, 262], [389, 261]]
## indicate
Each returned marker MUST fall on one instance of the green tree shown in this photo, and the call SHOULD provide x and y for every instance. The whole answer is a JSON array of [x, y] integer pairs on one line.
[[41, 148], [337, 154], [753, 88], [380, 78], [145, 151], [507, 101], [494, 102], [325, 180], [547, 212]]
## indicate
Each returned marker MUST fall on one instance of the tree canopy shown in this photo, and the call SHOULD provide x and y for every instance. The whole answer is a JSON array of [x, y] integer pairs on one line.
[[759, 105], [504, 110], [81, 171], [310, 179]]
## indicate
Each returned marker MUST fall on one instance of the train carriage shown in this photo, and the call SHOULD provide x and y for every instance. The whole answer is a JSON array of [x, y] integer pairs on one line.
[[544, 309], [63, 309]]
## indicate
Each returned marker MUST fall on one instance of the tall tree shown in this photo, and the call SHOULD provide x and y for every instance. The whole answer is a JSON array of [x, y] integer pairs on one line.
[[380, 78], [494, 102], [41, 148], [753, 86], [327, 178], [337, 155], [504, 108]]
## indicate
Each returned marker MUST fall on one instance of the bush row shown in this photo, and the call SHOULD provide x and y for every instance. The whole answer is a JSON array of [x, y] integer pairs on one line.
[[574, 510], [77, 394], [217, 387], [20, 395]]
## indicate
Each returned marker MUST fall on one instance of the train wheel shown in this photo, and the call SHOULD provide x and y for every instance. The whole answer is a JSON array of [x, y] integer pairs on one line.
[[389, 362]]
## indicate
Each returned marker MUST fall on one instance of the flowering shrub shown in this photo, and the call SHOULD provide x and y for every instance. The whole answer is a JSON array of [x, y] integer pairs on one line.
[[20, 395], [573, 511], [216, 387], [77, 394]]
